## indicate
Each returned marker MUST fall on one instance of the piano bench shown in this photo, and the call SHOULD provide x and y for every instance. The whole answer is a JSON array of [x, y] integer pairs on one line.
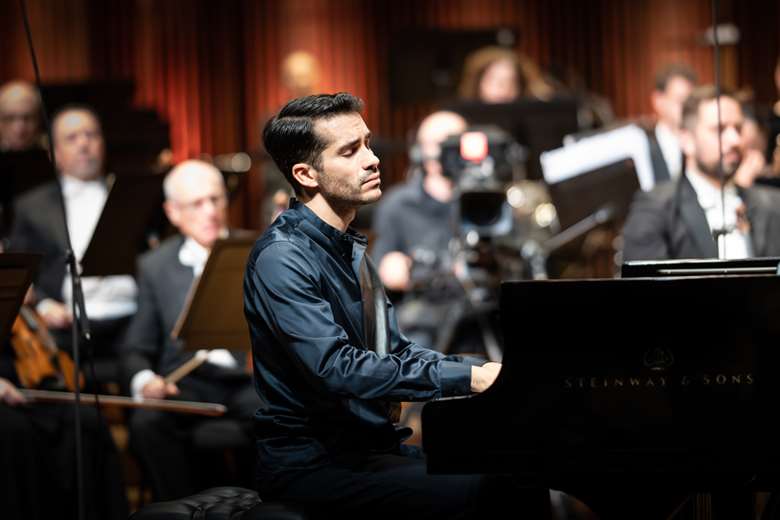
[[220, 503]]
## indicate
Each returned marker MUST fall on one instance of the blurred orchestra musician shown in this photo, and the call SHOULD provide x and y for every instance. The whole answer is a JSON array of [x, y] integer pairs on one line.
[[38, 447], [684, 218], [196, 203], [673, 84], [19, 117], [502, 75], [773, 137], [38, 228], [754, 144], [19, 133]]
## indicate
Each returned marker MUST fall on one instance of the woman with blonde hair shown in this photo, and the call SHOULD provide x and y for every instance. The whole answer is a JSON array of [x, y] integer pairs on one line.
[[501, 75]]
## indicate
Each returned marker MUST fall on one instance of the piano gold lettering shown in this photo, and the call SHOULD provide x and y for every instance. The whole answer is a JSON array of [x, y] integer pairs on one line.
[[657, 382]]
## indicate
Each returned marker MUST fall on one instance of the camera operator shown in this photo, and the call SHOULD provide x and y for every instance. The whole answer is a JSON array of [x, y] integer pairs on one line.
[[442, 236], [413, 224]]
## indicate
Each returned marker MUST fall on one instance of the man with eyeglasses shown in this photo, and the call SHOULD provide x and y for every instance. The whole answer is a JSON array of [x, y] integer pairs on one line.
[[22, 160], [196, 203], [19, 116]]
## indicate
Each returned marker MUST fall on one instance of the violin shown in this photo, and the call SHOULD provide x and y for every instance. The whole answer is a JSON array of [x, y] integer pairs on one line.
[[39, 363], [42, 367]]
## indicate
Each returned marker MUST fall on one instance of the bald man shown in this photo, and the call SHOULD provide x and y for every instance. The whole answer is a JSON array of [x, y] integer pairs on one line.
[[196, 203], [413, 222], [23, 163], [19, 116]]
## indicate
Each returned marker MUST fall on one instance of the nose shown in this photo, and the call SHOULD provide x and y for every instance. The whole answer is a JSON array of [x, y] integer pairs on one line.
[[372, 161], [731, 137], [82, 140]]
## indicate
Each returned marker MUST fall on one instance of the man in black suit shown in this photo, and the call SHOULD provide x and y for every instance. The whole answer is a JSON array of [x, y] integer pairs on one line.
[[682, 219], [196, 204], [673, 84], [38, 227], [19, 116], [21, 156]]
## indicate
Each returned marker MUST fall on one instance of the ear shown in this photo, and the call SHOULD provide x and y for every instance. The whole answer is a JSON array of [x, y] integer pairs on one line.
[[306, 175], [172, 212], [657, 101], [687, 144]]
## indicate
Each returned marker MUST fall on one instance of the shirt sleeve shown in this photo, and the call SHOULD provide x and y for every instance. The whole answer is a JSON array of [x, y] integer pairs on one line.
[[284, 293]]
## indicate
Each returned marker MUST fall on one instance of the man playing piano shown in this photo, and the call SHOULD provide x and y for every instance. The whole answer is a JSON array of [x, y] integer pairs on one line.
[[329, 359]]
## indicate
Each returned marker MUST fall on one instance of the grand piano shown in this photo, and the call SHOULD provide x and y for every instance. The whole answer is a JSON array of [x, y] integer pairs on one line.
[[629, 393]]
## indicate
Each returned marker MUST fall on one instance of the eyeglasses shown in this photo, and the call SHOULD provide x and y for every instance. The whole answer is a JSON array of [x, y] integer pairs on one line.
[[218, 201]]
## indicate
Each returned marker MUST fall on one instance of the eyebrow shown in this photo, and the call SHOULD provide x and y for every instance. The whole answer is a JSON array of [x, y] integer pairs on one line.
[[350, 144]]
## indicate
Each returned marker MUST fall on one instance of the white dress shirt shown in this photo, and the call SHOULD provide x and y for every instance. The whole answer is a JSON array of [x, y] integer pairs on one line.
[[105, 297], [735, 243]]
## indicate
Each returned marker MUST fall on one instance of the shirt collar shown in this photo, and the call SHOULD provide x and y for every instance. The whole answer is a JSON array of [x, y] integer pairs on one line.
[[72, 187], [709, 194], [193, 255], [342, 240]]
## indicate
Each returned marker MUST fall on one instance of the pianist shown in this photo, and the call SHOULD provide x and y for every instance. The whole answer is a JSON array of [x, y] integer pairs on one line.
[[331, 364]]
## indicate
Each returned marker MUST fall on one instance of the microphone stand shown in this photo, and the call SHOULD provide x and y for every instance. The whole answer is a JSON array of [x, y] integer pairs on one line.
[[721, 172], [80, 321], [536, 254]]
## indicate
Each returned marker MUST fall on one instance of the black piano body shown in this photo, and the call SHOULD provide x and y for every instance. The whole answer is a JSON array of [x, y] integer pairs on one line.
[[661, 384]]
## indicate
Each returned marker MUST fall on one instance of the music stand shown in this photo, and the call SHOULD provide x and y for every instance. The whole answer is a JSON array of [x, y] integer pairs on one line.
[[213, 313], [114, 246], [16, 275]]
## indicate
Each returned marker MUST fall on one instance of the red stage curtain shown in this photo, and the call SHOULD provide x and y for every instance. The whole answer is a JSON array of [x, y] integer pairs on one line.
[[212, 68]]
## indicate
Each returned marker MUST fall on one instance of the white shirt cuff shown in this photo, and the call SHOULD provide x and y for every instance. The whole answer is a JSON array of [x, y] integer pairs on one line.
[[222, 357], [44, 305], [138, 383]]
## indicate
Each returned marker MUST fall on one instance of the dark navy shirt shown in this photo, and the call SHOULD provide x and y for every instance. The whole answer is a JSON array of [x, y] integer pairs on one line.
[[326, 390]]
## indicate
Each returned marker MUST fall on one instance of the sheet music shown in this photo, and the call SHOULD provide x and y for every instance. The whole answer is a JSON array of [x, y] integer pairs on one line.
[[626, 142]]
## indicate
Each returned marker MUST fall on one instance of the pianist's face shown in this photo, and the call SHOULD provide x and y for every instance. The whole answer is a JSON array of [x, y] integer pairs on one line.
[[348, 173], [78, 145]]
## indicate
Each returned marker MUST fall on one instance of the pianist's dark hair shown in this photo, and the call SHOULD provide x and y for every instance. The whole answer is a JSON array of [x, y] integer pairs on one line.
[[690, 110], [289, 136], [74, 107]]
